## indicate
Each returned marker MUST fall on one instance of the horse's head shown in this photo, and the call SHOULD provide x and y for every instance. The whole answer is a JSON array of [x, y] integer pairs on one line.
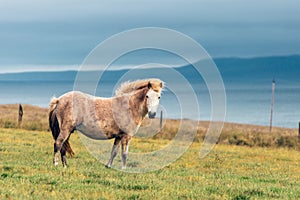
[[153, 97]]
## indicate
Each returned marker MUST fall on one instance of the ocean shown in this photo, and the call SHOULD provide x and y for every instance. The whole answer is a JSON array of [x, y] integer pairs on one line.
[[248, 93]]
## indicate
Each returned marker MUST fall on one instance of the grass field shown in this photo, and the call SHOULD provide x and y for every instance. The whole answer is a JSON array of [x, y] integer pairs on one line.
[[228, 172]]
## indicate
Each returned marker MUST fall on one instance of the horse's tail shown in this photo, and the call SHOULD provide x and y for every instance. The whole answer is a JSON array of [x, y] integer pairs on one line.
[[54, 126]]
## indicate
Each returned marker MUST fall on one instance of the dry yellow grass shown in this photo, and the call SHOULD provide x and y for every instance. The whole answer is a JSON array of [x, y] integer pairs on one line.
[[34, 118]]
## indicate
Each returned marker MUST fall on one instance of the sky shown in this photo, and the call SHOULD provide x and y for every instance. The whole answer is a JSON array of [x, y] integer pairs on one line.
[[58, 35]]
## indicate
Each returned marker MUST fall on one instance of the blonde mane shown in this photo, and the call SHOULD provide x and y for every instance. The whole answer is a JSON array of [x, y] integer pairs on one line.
[[129, 87]]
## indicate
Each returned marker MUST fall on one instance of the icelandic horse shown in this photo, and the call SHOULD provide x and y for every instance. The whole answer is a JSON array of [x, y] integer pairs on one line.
[[118, 117]]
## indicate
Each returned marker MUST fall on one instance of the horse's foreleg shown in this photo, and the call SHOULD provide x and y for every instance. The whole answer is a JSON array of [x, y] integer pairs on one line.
[[125, 145], [114, 151]]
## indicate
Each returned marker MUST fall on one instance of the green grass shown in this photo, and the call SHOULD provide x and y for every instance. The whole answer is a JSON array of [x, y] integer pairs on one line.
[[228, 172]]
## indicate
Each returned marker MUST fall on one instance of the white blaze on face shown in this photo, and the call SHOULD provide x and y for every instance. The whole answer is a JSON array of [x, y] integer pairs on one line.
[[152, 102]]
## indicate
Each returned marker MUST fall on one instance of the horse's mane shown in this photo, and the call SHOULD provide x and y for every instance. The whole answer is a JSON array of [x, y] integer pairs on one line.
[[129, 87]]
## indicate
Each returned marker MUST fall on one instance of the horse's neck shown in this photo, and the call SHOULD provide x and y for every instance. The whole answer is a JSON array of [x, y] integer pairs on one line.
[[139, 103]]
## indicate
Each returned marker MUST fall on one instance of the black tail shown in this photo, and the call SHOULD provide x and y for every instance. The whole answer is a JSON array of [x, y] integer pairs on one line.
[[54, 127]]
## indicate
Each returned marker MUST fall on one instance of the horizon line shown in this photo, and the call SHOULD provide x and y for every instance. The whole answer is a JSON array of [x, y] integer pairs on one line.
[[76, 67]]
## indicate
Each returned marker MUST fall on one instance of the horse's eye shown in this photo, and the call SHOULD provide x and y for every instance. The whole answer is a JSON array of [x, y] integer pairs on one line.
[[147, 96], [158, 97]]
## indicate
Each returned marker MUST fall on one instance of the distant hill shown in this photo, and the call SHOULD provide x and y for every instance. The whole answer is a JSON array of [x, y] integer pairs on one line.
[[285, 68], [260, 69]]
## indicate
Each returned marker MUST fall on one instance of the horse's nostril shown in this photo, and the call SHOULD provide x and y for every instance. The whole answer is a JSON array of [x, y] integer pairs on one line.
[[151, 114]]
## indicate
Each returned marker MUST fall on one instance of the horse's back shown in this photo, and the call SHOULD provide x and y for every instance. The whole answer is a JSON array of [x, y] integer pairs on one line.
[[75, 103], [75, 95], [88, 114]]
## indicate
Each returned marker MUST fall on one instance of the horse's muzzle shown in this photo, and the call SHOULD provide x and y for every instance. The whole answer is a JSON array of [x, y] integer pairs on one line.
[[151, 115]]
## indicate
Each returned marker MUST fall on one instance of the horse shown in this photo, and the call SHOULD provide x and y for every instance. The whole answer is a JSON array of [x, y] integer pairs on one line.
[[118, 117]]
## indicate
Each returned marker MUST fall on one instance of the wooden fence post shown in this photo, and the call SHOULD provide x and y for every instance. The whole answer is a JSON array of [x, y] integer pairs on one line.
[[20, 115], [272, 105], [161, 119], [299, 131]]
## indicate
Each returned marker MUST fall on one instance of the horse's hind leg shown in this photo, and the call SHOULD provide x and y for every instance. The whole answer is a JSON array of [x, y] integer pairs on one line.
[[125, 145], [63, 156], [114, 151], [62, 137]]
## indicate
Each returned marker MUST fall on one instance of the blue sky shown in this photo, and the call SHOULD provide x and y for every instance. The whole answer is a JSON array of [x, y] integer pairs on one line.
[[58, 35]]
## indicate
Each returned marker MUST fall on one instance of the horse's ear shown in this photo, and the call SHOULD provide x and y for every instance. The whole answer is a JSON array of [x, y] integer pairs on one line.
[[161, 85], [149, 85]]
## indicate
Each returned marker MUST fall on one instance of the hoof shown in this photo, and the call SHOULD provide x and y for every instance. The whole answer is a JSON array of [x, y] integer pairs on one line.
[[107, 166], [55, 163]]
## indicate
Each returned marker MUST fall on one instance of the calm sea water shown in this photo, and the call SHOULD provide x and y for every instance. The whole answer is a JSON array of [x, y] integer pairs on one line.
[[246, 102]]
